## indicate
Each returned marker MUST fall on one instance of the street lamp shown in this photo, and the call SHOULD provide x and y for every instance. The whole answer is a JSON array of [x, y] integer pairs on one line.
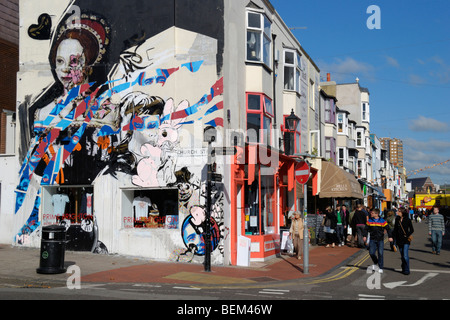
[[291, 123]]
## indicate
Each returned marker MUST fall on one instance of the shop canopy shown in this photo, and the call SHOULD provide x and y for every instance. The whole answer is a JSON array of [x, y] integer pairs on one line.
[[338, 183]]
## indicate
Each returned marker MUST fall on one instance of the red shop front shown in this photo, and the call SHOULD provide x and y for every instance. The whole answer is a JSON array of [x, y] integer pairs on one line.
[[262, 194]]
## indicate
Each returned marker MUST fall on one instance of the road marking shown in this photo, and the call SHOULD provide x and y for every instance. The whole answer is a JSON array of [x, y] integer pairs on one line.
[[274, 291], [370, 297], [392, 285], [146, 285], [187, 288], [427, 271]]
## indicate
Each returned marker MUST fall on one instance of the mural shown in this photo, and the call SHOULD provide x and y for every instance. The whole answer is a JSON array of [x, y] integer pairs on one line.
[[126, 94]]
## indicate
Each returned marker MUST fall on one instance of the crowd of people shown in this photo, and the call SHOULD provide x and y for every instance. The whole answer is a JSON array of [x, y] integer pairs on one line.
[[364, 228]]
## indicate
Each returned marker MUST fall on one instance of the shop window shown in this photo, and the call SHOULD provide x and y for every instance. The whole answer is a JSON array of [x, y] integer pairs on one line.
[[259, 38], [73, 205], [260, 204], [259, 118], [152, 208]]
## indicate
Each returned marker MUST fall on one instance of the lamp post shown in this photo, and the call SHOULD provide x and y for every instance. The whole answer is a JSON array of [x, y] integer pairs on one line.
[[305, 216]]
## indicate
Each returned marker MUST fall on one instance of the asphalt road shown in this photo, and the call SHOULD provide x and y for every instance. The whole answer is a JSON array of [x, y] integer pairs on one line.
[[429, 279]]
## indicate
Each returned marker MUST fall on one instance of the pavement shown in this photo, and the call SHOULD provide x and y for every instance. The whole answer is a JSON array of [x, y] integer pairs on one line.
[[18, 268]]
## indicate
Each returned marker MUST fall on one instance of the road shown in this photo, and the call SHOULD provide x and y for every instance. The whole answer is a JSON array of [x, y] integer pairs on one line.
[[429, 279]]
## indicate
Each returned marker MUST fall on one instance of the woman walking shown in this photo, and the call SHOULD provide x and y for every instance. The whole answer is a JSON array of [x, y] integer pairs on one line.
[[296, 234], [403, 229]]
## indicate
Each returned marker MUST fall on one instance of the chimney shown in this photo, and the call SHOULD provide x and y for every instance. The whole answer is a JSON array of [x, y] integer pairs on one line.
[[328, 77]]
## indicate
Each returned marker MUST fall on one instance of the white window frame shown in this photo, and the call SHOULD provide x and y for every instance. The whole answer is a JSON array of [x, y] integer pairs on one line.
[[345, 156], [365, 112], [362, 140], [296, 69], [344, 123], [265, 36], [361, 168]]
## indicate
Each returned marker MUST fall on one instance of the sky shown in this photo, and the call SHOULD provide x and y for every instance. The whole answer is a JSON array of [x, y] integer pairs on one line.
[[405, 64]]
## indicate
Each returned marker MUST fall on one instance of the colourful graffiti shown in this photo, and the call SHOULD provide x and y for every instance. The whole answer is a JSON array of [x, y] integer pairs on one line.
[[89, 123]]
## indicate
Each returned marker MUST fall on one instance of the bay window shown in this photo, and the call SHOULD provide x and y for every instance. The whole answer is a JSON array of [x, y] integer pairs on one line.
[[259, 118], [292, 66], [259, 38]]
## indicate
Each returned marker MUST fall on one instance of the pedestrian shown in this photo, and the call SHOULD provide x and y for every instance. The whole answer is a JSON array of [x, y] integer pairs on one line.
[[296, 234], [340, 226], [346, 214], [359, 222], [436, 229], [391, 223], [330, 227], [403, 229], [411, 213], [375, 227]]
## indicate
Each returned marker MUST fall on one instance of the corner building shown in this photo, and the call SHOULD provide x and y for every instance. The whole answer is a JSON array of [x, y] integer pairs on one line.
[[113, 100]]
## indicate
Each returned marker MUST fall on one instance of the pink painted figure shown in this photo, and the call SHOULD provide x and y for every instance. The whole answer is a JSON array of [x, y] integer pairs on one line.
[[157, 168]]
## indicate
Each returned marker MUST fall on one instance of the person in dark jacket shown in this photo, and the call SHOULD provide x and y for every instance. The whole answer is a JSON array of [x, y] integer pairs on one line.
[[330, 227], [359, 221], [376, 227], [403, 228]]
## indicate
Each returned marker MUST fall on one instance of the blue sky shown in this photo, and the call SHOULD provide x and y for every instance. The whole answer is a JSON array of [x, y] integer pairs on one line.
[[405, 65]]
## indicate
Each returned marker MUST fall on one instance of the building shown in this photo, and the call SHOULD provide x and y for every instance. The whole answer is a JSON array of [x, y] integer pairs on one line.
[[117, 116], [394, 147], [9, 64]]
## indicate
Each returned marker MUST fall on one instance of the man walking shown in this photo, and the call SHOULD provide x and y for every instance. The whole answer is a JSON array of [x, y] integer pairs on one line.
[[376, 227], [436, 229], [359, 221]]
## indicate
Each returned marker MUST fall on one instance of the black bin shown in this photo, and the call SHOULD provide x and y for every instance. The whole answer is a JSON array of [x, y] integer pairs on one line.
[[53, 248]]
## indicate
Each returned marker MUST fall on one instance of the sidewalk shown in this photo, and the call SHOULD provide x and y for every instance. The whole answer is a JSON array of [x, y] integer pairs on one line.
[[18, 265]]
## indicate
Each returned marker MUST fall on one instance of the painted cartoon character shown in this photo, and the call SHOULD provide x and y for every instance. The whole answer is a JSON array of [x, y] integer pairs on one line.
[[157, 168], [193, 230]]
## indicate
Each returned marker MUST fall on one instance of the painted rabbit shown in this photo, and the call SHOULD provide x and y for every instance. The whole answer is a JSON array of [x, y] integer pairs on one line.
[[157, 167]]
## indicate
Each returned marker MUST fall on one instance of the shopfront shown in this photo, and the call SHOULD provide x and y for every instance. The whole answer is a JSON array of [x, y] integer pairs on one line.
[[263, 194]]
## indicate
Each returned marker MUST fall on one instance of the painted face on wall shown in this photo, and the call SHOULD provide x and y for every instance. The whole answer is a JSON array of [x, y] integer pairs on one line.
[[70, 64]]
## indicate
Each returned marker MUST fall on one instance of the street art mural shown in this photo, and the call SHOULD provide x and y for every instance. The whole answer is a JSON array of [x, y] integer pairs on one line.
[[125, 98]]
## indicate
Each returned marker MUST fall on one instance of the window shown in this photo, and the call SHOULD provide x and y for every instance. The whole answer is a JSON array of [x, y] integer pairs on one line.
[[342, 157], [260, 204], [292, 65], [151, 208], [259, 118], [259, 38], [365, 112], [361, 168], [342, 123], [360, 140], [330, 116], [330, 149], [312, 89]]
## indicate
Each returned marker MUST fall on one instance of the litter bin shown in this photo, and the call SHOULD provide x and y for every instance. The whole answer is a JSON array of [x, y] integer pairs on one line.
[[53, 248]]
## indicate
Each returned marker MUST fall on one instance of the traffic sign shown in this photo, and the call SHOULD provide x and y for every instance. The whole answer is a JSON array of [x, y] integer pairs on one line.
[[302, 171]]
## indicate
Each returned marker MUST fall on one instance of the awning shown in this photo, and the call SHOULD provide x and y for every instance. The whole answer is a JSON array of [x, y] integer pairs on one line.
[[338, 183]]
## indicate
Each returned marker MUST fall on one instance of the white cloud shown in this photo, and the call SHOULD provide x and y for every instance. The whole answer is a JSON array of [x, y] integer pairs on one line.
[[343, 68], [428, 124], [392, 62], [415, 79]]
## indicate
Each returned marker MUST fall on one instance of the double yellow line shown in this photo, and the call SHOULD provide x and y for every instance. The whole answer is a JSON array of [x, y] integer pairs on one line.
[[344, 273]]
